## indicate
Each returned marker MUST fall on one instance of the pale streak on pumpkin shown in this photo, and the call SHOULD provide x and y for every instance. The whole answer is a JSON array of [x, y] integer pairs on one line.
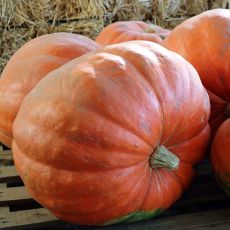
[[85, 133], [30, 64], [204, 40]]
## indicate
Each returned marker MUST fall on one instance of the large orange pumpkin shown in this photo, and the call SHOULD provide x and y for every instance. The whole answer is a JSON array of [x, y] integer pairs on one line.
[[113, 135], [204, 41], [29, 65], [131, 30], [221, 156]]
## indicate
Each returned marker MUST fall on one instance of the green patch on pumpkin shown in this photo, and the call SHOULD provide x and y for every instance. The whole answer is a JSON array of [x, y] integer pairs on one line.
[[135, 216]]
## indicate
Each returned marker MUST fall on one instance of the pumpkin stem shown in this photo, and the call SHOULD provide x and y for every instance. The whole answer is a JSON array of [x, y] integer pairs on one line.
[[151, 28], [163, 158], [227, 111]]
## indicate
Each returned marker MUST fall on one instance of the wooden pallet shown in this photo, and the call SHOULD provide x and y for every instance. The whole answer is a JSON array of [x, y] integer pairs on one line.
[[203, 206]]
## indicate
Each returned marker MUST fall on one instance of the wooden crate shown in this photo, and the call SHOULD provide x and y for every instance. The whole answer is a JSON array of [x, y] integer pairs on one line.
[[203, 206]]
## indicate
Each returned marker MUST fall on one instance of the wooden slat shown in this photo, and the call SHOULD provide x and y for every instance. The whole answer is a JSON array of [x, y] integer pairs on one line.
[[203, 190], [13, 195], [3, 185], [3, 149], [27, 217], [219, 226], [6, 154], [6, 157], [8, 173], [5, 209], [201, 220]]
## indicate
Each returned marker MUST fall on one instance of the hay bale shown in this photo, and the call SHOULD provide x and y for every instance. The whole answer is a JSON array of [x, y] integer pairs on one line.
[[169, 13], [21, 13], [89, 28], [26, 13], [124, 10], [22, 20], [219, 4], [11, 40], [72, 9]]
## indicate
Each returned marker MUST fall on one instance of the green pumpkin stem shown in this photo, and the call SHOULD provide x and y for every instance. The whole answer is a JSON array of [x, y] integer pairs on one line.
[[151, 28], [163, 158]]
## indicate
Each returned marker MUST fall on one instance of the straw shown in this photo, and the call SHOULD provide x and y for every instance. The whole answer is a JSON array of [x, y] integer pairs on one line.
[[22, 20]]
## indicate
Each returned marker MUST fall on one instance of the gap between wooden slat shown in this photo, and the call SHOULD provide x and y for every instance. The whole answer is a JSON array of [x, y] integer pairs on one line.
[[13, 195], [8, 173], [5, 152]]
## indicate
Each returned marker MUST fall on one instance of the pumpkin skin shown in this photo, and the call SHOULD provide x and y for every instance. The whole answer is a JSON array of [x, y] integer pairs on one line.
[[204, 41], [221, 156], [29, 65], [131, 30], [97, 132]]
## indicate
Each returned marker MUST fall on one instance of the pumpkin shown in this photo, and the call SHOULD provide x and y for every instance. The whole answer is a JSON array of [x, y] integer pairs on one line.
[[131, 30], [29, 65], [113, 135], [204, 41], [220, 156]]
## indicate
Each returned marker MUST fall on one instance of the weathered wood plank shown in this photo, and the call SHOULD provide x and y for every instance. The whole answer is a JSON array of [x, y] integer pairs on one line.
[[204, 189], [217, 226], [8, 173], [3, 153], [201, 220], [3, 185], [4, 210], [4, 147], [27, 217], [13, 195], [6, 157]]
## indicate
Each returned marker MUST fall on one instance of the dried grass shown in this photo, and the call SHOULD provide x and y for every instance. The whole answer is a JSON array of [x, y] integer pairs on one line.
[[169, 13], [89, 27], [10, 41], [72, 9], [14, 38], [21, 13], [22, 20], [220, 4], [123, 10]]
